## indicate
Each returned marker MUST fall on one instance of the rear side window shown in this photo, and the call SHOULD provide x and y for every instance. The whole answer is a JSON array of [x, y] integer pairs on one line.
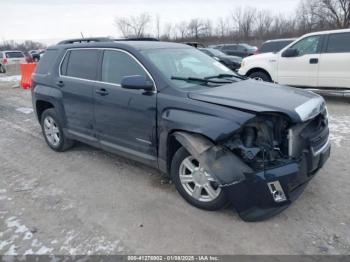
[[47, 61], [117, 64], [339, 43], [82, 64], [14, 55]]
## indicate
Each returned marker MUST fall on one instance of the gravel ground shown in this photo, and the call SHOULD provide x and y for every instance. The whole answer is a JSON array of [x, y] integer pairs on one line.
[[86, 201]]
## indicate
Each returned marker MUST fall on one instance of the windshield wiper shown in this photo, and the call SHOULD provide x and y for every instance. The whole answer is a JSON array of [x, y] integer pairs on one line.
[[203, 80], [226, 75]]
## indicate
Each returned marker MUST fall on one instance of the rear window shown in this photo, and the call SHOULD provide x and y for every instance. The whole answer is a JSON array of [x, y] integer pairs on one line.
[[14, 55], [82, 64], [47, 61], [339, 43]]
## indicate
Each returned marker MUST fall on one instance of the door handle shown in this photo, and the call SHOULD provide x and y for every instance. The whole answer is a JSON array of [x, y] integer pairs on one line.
[[60, 83], [313, 60], [102, 92]]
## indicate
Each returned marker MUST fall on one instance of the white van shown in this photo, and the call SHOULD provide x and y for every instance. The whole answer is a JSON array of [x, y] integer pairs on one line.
[[320, 59]]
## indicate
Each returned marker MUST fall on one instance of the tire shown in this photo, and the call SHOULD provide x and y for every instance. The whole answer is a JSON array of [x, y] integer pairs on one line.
[[203, 200], [52, 131], [2, 69], [260, 76]]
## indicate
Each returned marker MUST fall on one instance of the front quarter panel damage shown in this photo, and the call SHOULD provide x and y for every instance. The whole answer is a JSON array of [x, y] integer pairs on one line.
[[221, 163]]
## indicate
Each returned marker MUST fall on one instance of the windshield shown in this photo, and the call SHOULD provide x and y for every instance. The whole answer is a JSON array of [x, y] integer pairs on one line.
[[185, 63]]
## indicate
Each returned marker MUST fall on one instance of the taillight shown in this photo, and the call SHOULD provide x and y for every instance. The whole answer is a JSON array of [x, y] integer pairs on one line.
[[4, 61]]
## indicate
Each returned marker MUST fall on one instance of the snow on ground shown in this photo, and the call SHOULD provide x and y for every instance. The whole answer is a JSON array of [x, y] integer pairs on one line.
[[10, 78]]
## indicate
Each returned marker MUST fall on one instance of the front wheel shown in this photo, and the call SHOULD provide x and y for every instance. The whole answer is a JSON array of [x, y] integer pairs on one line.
[[260, 76], [195, 184]]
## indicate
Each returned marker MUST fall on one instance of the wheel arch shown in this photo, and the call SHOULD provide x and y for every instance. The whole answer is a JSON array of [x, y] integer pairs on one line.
[[259, 69], [41, 106]]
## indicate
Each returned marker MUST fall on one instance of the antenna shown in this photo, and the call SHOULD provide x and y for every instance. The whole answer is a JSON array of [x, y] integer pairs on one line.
[[82, 36]]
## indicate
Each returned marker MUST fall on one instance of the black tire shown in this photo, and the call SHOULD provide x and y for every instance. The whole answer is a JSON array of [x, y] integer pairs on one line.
[[2, 69], [63, 142], [218, 203], [260, 75]]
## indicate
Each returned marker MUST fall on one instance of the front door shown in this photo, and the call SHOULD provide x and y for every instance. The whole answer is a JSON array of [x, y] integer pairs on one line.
[[301, 70], [125, 119]]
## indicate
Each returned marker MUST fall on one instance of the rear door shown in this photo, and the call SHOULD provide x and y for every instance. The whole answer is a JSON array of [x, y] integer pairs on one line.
[[301, 70], [334, 68], [125, 118], [77, 80]]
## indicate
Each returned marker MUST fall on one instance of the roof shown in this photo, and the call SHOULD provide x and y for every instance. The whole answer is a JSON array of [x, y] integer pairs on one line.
[[282, 39], [329, 32], [11, 51], [139, 44]]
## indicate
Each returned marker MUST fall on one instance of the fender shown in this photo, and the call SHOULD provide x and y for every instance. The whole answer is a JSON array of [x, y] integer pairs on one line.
[[50, 95], [220, 162], [215, 127]]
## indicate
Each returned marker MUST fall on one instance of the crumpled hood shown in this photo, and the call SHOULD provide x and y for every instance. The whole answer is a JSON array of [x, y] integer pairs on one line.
[[251, 95]]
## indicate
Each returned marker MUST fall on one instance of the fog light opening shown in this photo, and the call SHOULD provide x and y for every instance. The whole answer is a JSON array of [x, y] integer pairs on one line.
[[277, 191]]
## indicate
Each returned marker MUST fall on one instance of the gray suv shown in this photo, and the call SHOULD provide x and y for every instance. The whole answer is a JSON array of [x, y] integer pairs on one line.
[[218, 136]]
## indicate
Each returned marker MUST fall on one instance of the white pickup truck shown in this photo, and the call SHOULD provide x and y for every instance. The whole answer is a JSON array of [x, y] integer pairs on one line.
[[319, 60]]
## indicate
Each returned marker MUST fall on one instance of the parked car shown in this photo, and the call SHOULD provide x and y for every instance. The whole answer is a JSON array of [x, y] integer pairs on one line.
[[232, 62], [172, 107], [317, 60], [194, 44], [36, 55], [10, 58], [273, 46], [241, 50]]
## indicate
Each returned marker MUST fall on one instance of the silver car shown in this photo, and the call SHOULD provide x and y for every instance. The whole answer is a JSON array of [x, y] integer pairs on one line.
[[11, 59]]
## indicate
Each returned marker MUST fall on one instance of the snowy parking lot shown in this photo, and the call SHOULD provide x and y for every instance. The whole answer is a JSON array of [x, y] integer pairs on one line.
[[86, 201]]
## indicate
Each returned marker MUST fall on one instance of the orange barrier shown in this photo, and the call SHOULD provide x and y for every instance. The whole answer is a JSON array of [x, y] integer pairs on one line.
[[26, 75]]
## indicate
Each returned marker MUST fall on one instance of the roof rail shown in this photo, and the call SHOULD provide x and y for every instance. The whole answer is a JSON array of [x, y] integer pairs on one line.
[[137, 39], [104, 39], [85, 40]]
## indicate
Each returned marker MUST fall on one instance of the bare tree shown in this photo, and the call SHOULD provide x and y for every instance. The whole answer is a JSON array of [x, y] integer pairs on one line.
[[337, 12], [182, 29], [244, 20], [196, 28], [222, 27], [134, 25], [263, 24], [158, 25]]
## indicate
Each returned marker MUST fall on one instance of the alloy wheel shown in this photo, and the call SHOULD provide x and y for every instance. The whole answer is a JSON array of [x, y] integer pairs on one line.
[[198, 183], [51, 131]]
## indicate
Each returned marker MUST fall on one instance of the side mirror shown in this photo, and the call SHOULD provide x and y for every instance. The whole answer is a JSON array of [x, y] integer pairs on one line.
[[290, 52], [137, 82]]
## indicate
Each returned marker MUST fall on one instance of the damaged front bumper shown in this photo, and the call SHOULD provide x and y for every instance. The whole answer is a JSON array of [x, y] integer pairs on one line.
[[267, 193]]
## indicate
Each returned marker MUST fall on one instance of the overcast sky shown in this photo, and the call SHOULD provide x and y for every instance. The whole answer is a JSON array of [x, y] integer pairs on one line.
[[51, 20]]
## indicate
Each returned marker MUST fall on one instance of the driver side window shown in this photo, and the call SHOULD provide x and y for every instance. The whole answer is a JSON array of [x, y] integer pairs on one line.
[[308, 45]]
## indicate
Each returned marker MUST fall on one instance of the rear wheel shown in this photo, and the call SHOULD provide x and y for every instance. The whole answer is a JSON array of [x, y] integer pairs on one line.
[[260, 76], [195, 184], [53, 132]]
